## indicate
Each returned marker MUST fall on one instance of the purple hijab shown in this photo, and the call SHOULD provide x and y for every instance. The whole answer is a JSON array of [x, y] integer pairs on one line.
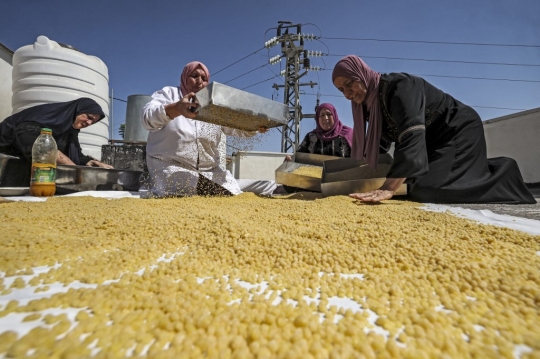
[[188, 69], [339, 129], [365, 146]]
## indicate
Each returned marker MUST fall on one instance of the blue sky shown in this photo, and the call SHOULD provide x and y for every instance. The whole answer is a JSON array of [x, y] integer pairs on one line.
[[145, 44]]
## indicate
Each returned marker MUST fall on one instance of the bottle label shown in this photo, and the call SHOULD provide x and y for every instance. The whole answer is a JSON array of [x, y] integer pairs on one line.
[[43, 174]]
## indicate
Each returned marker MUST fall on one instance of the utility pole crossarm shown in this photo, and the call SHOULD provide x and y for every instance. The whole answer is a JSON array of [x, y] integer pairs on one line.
[[292, 49]]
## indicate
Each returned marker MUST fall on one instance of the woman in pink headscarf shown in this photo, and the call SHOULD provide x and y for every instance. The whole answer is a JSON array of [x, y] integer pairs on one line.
[[183, 155], [440, 150], [330, 137]]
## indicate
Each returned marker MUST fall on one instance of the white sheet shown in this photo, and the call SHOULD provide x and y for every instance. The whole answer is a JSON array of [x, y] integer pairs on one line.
[[485, 216]]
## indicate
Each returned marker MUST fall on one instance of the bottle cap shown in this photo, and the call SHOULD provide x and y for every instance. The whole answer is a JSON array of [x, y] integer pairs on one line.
[[46, 130]]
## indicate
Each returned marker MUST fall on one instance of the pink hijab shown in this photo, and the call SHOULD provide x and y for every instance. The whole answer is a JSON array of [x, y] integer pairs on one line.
[[365, 146], [188, 69], [339, 129]]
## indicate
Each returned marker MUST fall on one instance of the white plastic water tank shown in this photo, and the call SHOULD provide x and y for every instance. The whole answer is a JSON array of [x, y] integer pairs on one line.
[[48, 72]]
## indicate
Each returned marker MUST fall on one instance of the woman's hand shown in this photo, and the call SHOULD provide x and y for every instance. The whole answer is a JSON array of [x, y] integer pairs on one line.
[[287, 158], [387, 190], [183, 107], [373, 196], [96, 163]]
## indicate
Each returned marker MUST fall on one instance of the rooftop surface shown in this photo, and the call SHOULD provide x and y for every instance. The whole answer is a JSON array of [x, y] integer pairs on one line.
[[530, 211]]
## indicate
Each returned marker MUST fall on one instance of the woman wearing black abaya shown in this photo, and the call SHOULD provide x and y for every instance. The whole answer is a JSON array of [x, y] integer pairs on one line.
[[19, 131], [440, 149]]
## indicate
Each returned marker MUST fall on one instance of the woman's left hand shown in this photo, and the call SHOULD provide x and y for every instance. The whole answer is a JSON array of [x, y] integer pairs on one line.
[[373, 196], [387, 190], [263, 129], [96, 163]]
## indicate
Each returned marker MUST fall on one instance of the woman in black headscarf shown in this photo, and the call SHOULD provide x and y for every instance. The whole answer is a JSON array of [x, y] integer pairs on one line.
[[19, 131]]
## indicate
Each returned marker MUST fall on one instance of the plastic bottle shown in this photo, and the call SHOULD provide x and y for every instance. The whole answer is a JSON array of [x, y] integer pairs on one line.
[[43, 175]]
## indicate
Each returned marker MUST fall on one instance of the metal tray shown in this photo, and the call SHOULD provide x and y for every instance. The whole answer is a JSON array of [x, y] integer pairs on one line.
[[14, 191], [71, 179], [224, 105], [285, 176], [3, 162], [346, 175], [285, 173], [340, 176], [357, 186]]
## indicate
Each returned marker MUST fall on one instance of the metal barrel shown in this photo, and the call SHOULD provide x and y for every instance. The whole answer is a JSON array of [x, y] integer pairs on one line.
[[134, 130]]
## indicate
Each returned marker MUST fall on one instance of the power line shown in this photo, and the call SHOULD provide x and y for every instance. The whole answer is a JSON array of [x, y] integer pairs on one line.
[[119, 99], [478, 78], [260, 82], [432, 42], [497, 108], [435, 60], [250, 71], [243, 58], [467, 77], [425, 75]]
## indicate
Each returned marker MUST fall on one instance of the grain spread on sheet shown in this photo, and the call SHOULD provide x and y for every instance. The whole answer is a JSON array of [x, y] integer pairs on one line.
[[254, 277]]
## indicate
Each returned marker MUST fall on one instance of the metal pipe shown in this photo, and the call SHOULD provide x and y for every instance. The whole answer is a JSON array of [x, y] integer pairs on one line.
[[112, 114]]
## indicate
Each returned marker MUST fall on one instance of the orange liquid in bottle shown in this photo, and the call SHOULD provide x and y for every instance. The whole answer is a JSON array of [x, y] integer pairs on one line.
[[43, 177]]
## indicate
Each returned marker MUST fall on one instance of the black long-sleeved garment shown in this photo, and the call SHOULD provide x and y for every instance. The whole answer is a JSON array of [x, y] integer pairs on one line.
[[312, 144], [19, 131], [440, 147]]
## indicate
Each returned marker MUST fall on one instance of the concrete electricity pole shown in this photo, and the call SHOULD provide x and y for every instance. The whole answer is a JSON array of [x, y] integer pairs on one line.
[[292, 49]]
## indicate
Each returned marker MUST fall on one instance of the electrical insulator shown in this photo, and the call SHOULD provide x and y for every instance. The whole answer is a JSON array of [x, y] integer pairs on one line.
[[315, 53], [274, 60], [314, 68], [270, 43], [308, 37], [283, 72], [307, 62]]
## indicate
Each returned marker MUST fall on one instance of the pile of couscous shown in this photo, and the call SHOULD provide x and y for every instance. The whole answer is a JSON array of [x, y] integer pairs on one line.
[[256, 277]]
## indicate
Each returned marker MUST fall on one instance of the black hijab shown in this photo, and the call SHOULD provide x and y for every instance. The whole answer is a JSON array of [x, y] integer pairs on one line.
[[59, 117]]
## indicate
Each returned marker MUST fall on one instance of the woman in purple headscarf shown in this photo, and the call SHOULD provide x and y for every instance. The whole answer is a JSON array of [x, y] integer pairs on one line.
[[183, 155], [331, 137], [440, 149]]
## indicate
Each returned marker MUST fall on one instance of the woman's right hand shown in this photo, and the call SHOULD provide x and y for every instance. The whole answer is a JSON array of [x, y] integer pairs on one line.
[[288, 158], [183, 107], [96, 163]]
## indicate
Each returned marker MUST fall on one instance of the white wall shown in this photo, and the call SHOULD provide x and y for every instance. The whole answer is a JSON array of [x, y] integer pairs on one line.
[[5, 83], [256, 165], [516, 136]]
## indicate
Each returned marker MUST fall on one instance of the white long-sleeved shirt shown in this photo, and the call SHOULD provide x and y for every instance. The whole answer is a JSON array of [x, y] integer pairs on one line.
[[179, 150], [192, 144]]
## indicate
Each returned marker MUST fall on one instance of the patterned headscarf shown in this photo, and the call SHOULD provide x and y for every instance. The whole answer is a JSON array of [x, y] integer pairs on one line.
[[365, 146], [188, 69], [339, 129]]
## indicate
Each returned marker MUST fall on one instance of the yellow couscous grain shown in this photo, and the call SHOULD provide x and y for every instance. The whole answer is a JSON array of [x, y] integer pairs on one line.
[[247, 276]]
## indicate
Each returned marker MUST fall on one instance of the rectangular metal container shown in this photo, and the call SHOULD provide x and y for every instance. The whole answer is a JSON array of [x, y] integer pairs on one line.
[[340, 176], [344, 188], [285, 173], [83, 178], [346, 175], [226, 106], [3, 163]]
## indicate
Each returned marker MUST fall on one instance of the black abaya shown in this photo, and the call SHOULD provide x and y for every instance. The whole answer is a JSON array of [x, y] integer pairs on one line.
[[440, 147], [19, 131], [338, 147]]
